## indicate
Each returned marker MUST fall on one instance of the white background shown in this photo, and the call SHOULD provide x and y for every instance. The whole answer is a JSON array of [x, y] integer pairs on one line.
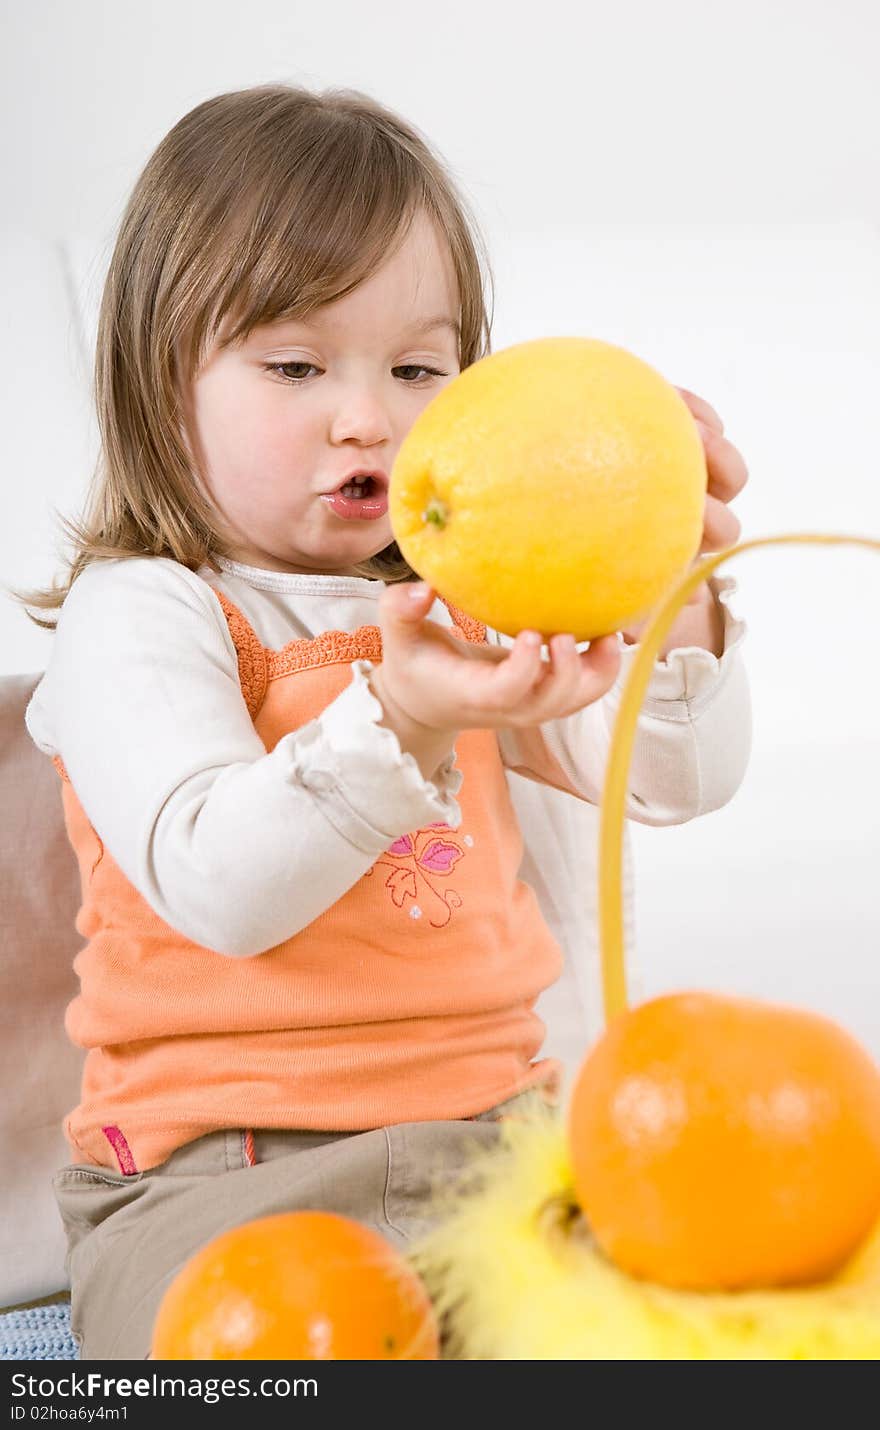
[[695, 181]]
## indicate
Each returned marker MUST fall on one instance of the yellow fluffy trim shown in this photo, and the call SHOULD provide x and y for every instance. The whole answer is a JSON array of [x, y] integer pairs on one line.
[[515, 1276]]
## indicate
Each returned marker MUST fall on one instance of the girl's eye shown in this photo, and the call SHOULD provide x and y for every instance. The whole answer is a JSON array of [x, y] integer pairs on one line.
[[432, 371], [284, 370]]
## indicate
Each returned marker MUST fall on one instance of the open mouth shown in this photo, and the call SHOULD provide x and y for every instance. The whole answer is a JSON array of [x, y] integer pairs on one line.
[[364, 495], [363, 487]]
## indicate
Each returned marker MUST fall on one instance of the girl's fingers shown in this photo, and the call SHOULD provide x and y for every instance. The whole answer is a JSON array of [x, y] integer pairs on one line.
[[600, 667], [605, 650], [720, 526], [577, 677], [571, 664], [510, 681], [523, 683]]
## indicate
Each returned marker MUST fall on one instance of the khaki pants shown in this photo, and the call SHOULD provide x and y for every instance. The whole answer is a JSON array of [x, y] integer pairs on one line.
[[128, 1236]]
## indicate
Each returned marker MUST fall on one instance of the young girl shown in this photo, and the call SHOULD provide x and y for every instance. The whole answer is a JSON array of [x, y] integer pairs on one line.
[[314, 939]]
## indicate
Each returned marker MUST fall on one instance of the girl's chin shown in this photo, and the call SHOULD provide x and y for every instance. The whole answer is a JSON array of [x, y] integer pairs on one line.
[[368, 539]]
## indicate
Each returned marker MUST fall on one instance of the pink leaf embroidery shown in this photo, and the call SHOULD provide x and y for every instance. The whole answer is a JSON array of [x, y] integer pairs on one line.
[[402, 846], [439, 857]]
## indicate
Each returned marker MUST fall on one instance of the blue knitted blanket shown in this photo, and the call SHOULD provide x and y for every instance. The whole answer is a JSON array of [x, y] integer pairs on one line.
[[39, 1333]]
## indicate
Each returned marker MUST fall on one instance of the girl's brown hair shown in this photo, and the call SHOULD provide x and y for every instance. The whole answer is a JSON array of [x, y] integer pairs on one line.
[[258, 205]]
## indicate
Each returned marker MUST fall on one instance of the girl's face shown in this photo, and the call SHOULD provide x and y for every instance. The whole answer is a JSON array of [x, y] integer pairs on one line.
[[282, 418]]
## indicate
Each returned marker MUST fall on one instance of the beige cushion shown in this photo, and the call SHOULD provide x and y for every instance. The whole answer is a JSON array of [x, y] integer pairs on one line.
[[40, 1068]]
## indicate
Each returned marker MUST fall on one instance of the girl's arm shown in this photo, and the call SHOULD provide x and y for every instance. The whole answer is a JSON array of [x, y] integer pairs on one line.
[[237, 848], [693, 736]]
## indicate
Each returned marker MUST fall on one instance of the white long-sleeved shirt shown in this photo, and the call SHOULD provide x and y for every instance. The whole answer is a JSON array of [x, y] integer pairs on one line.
[[239, 849]]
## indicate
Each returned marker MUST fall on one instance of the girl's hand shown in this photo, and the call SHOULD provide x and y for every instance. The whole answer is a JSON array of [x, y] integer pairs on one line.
[[445, 683], [728, 474]]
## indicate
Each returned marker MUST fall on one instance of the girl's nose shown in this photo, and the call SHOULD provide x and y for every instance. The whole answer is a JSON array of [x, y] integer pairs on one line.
[[362, 415]]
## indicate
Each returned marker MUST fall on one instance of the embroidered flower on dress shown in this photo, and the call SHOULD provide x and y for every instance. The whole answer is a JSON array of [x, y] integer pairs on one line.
[[416, 857]]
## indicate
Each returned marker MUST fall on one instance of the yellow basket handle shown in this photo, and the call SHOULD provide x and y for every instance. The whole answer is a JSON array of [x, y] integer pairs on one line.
[[620, 752]]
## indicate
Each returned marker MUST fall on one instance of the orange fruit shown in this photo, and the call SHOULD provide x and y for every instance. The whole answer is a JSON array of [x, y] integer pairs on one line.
[[559, 484], [306, 1285], [725, 1143]]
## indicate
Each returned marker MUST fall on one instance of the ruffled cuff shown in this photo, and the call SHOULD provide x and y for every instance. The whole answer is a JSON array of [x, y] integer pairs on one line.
[[691, 674], [369, 788]]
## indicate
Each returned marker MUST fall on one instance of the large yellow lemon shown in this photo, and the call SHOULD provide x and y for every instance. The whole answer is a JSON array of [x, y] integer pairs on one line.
[[558, 484]]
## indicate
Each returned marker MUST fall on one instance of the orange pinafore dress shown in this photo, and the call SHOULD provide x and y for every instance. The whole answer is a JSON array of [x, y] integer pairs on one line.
[[411, 998]]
